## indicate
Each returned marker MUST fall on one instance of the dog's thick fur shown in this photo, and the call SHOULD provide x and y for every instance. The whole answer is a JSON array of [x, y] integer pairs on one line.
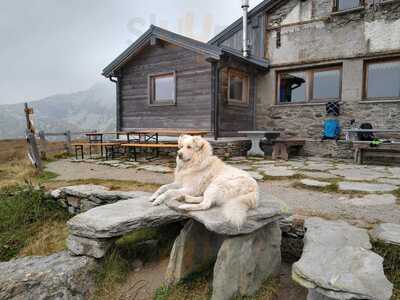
[[203, 181]]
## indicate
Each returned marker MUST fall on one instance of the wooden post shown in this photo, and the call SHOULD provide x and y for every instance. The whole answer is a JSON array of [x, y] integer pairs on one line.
[[43, 144], [68, 147], [33, 151]]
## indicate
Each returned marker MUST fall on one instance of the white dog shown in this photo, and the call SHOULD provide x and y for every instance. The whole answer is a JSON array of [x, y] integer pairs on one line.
[[203, 180]]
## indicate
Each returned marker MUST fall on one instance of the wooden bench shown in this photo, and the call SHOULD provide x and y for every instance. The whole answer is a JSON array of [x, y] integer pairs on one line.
[[79, 147], [156, 146], [389, 150], [281, 148]]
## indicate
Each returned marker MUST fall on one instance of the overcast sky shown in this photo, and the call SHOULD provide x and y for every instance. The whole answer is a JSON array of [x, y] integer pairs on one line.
[[60, 46]]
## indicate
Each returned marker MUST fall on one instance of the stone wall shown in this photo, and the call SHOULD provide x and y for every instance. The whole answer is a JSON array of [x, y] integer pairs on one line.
[[328, 39], [226, 148]]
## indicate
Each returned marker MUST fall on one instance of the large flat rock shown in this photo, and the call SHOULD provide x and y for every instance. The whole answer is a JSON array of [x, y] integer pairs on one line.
[[337, 262], [59, 276], [213, 219], [119, 218], [387, 233], [122, 217]]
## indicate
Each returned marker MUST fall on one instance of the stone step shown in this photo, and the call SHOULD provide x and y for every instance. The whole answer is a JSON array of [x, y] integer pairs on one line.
[[337, 263]]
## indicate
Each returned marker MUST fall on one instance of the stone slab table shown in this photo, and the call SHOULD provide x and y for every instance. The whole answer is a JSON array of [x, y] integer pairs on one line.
[[256, 137], [244, 257]]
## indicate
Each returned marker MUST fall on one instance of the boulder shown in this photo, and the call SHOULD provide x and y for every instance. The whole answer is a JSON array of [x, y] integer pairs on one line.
[[245, 262], [96, 248], [194, 250], [59, 276], [337, 262], [387, 233]]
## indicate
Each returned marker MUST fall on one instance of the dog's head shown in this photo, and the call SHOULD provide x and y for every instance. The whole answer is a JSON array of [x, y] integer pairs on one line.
[[193, 148]]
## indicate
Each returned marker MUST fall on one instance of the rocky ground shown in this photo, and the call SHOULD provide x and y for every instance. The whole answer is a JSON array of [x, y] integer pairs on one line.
[[334, 189]]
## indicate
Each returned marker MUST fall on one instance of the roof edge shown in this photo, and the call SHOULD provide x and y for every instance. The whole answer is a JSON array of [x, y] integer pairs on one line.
[[191, 44], [238, 24]]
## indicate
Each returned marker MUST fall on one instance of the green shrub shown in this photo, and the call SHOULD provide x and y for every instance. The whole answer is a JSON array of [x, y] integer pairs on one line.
[[23, 209]]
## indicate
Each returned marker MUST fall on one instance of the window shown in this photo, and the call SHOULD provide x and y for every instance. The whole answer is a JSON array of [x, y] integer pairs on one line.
[[238, 87], [341, 5], [162, 89], [382, 79], [319, 84]]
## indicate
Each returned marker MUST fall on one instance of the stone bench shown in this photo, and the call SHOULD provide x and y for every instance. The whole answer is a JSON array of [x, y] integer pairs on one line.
[[244, 257], [337, 263]]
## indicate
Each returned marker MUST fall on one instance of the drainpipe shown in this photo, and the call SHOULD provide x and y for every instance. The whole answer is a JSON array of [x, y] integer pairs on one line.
[[118, 111], [245, 7]]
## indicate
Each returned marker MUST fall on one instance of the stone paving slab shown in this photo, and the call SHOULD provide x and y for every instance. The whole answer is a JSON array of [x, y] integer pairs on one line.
[[276, 171], [372, 200], [387, 233], [337, 262], [366, 187], [314, 183]]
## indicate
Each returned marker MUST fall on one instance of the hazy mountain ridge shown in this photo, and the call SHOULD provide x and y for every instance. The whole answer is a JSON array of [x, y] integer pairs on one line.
[[90, 109]]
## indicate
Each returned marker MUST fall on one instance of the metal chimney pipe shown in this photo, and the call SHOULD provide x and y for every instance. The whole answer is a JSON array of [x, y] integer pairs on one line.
[[245, 7]]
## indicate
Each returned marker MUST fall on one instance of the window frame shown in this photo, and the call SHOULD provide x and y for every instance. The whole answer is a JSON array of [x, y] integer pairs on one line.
[[309, 90], [335, 8], [246, 88], [151, 87], [368, 62]]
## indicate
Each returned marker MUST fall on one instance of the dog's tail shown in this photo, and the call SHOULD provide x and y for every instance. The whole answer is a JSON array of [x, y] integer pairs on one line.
[[235, 210]]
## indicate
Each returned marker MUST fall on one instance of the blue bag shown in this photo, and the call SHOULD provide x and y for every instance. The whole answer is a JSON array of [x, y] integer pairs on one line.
[[331, 129]]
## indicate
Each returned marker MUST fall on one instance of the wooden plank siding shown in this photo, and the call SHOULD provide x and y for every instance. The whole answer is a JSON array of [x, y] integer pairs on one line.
[[193, 89], [256, 35], [234, 118]]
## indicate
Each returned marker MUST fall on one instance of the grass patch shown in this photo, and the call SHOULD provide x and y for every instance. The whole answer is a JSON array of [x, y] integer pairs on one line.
[[391, 264], [46, 176], [24, 212], [198, 287], [50, 238], [145, 244], [281, 178], [397, 194], [331, 188]]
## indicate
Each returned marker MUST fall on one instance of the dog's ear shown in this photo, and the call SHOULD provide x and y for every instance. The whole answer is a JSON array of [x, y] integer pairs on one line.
[[199, 142]]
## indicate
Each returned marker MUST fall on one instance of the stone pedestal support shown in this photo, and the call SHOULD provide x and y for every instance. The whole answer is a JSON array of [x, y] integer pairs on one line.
[[242, 263]]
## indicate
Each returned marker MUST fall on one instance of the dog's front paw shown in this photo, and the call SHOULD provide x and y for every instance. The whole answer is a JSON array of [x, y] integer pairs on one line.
[[184, 207], [154, 197], [159, 200]]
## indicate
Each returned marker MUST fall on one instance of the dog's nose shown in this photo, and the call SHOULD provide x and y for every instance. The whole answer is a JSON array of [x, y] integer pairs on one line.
[[180, 155]]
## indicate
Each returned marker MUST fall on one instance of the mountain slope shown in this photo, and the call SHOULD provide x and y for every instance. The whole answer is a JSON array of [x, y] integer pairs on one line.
[[85, 110]]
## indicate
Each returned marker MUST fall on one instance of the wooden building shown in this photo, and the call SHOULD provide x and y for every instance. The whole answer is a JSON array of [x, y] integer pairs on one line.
[[165, 80], [302, 54]]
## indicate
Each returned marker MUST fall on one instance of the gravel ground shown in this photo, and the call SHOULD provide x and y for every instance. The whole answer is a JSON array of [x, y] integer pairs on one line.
[[68, 170], [297, 200]]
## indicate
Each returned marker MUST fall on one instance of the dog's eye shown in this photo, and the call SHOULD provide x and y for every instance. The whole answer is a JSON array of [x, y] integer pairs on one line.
[[189, 147]]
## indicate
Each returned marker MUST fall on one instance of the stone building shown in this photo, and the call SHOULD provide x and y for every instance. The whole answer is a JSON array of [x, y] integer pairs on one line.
[[302, 54]]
